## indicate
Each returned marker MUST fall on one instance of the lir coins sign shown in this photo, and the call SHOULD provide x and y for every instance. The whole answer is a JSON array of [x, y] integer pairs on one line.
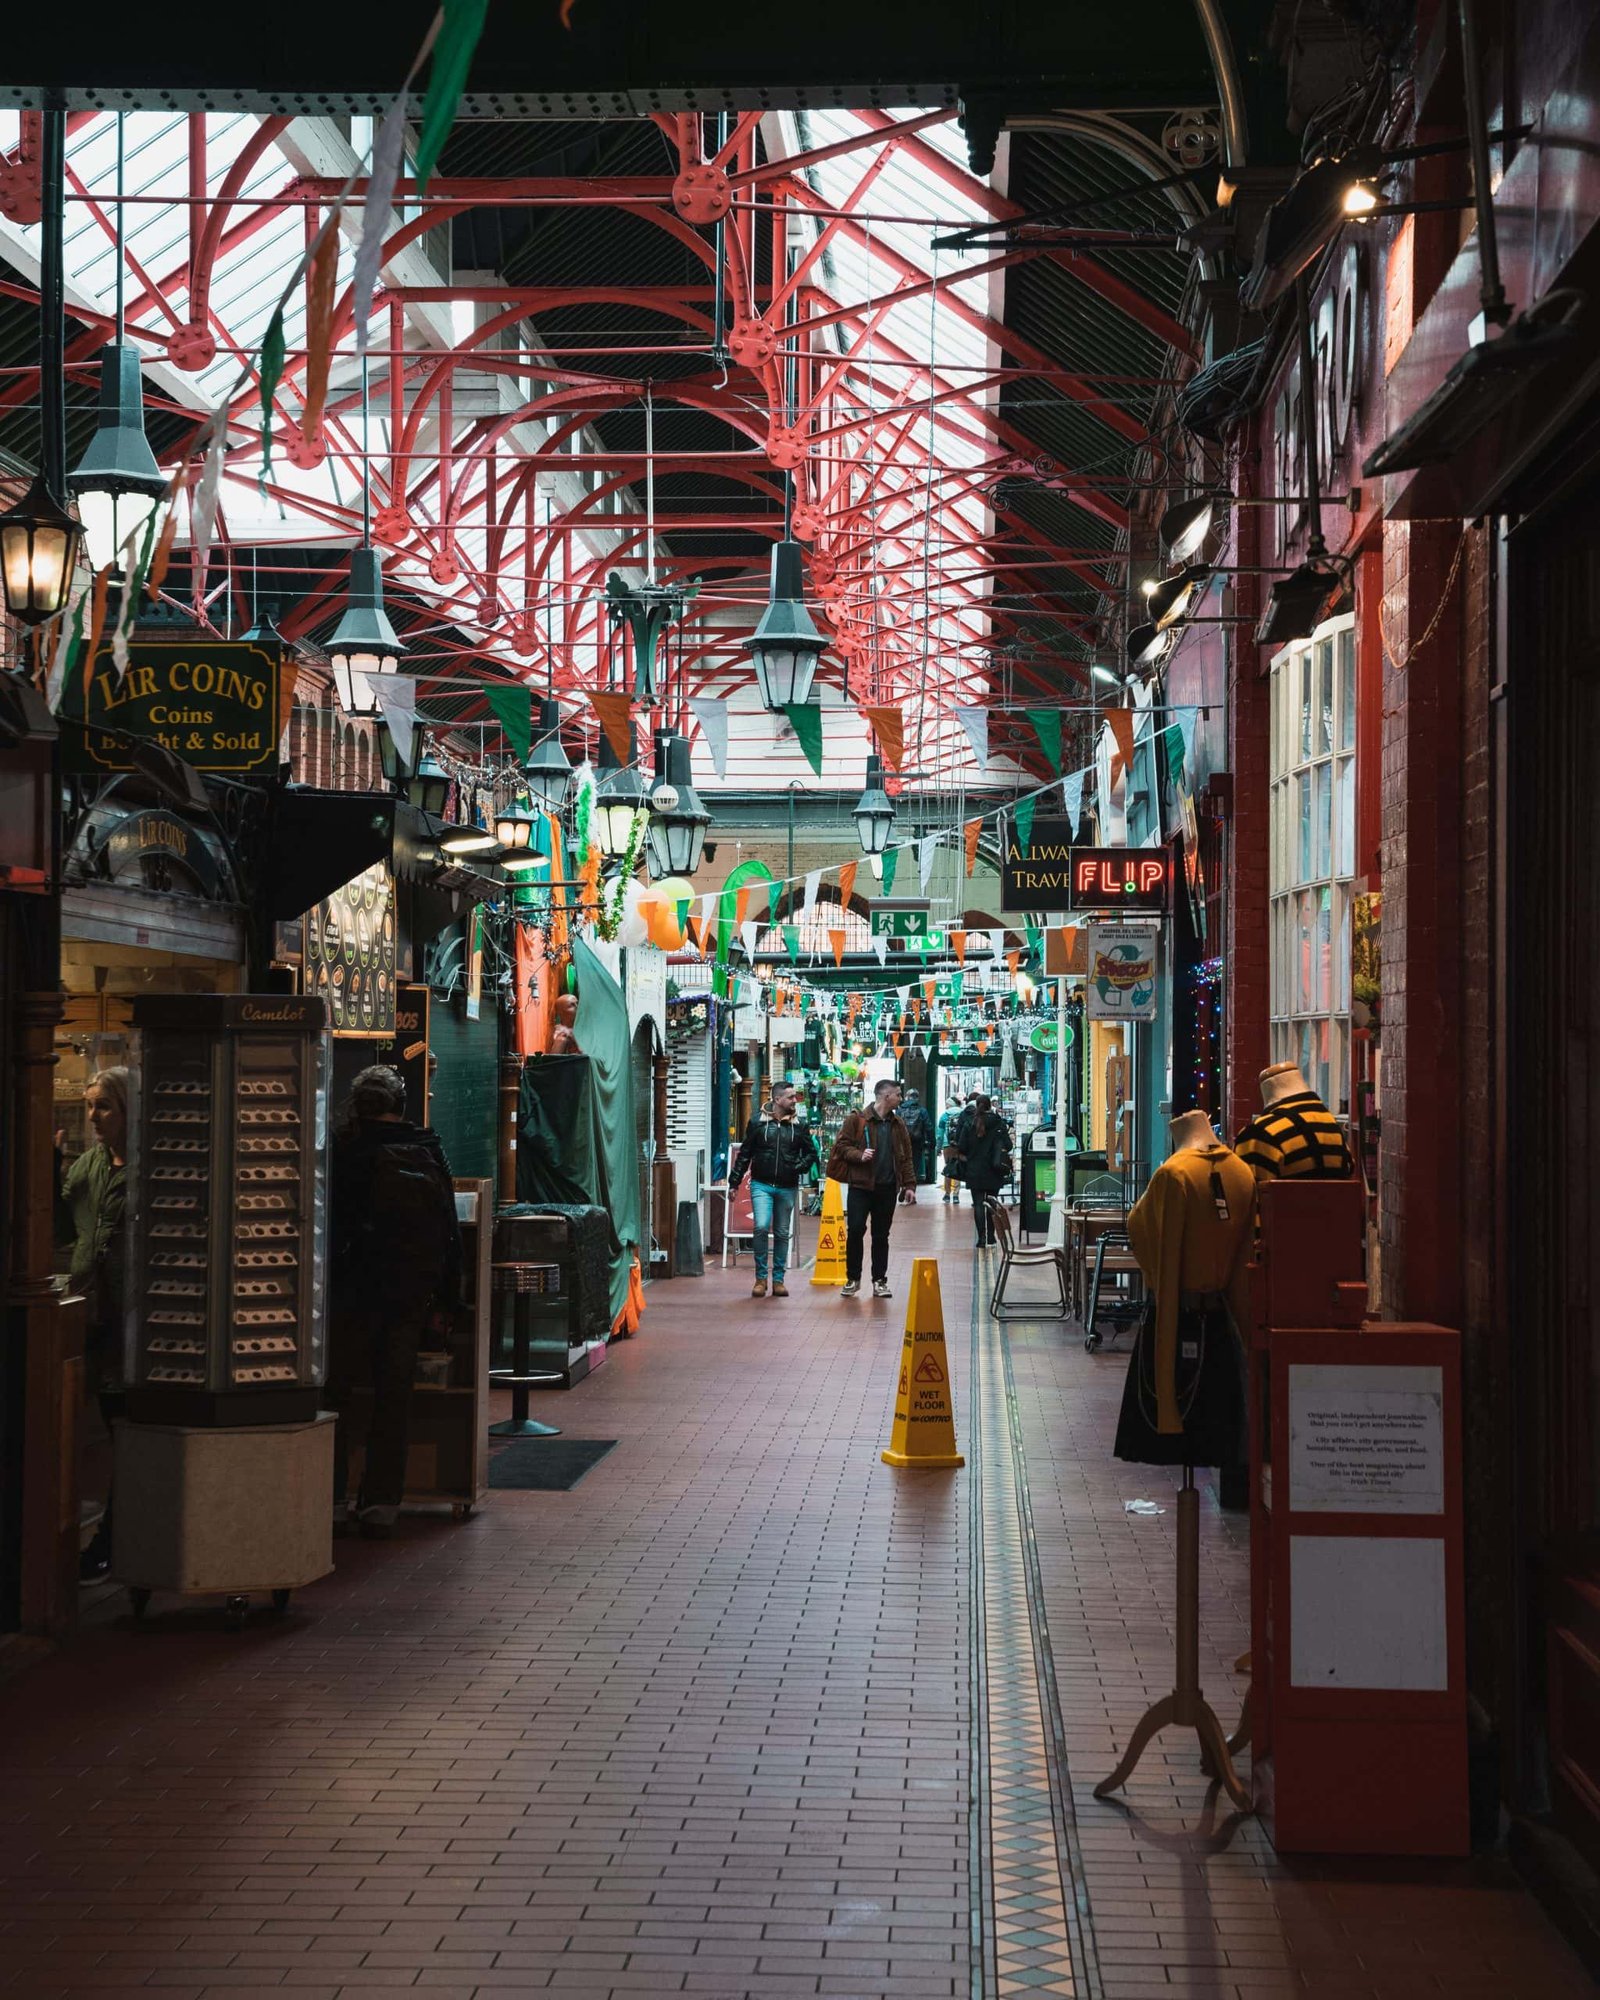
[[214, 705]]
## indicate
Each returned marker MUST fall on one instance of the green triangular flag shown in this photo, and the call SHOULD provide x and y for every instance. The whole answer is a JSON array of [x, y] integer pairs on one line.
[[1174, 736], [891, 861], [452, 58], [272, 359], [1035, 940], [791, 941], [1025, 812], [1047, 727], [806, 721], [512, 708]]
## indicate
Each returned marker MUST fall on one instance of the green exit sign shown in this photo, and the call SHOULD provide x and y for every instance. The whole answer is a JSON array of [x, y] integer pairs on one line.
[[900, 920], [929, 941]]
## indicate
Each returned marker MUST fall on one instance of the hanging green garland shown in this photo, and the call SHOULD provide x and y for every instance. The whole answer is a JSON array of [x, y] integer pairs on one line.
[[608, 919], [581, 815]]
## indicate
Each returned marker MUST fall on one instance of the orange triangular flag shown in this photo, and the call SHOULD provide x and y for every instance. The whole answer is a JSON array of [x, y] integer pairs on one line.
[[944, 1038], [1013, 960], [163, 553], [321, 287], [613, 710], [741, 907], [899, 1045], [836, 939], [929, 988], [889, 726], [958, 944], [847, 883], [972, 829], [1121, 721]]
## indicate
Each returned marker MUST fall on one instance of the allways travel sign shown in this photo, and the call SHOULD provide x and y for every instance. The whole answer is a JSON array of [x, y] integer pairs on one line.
[[1050, 872], [214, 705]]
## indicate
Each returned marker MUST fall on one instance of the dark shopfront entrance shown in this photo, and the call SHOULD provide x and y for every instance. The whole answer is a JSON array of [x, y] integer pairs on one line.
[[1548, 731]]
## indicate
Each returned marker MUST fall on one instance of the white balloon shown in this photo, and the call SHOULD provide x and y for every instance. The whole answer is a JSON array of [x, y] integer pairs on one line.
[[633, 930]]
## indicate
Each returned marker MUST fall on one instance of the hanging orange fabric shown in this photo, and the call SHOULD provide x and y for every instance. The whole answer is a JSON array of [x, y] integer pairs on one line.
[[321, 288], [535, 992], [633, 1307], [560, 942]]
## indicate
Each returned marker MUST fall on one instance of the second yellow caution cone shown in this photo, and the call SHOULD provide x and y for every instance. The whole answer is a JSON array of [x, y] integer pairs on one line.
[[924, 1416], [828, 1268]]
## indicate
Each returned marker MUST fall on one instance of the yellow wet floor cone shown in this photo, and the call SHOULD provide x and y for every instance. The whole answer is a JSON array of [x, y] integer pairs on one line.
[[924, 1417], [828, 1267]]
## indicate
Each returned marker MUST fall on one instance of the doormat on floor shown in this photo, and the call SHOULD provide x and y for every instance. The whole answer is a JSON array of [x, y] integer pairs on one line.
[[547, 1465]]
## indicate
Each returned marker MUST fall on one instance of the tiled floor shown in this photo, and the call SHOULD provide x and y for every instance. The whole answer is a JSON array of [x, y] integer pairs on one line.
[[705, 1725]]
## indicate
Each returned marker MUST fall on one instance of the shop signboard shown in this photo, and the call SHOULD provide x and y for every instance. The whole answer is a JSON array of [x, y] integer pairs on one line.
[[1050, 872], [214, 704], [1044, 1035], [1122, 974], [411, 1007], [350, 956]]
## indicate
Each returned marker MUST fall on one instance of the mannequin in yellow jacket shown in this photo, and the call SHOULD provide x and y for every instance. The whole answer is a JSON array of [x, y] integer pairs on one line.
[[1185, 1243]]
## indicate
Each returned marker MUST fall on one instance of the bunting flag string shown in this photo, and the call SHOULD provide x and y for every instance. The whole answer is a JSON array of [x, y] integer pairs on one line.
[[891, 861], [270, 363], [813, 884], [888, 725], [397, 702], [971, 832], [1047, 727], [512, 708], [1025, 808], [614, 711], [847, 882], [927, 848], [791, 941], [711, 712], [1121, 725], [1072, 797], [805, 718], [958, 944], [975, 721], [836, 940]]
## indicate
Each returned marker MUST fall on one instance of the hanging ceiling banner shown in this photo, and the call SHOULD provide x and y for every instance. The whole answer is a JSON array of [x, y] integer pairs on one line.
[[711, 712], [975, 721]]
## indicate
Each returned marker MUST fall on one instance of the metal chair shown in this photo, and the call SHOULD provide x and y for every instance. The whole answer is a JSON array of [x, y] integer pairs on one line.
[[1011, 1257], [1114, 1258]]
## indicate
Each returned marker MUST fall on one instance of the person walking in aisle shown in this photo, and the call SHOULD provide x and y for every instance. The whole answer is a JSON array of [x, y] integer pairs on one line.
[[947, 1123], [919, 1125], [776, 1151], [394, 1258], [872, 1156], [983, 1140]]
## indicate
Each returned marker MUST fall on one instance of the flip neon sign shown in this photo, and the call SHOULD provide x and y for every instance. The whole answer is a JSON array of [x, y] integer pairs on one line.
[[1100, 878]]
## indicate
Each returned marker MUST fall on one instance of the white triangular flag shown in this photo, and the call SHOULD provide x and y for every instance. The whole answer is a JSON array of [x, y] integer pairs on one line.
[[881, 946], [813, 884], [975, 721], [203, 508], [388, 154], [397, 702], [1072, 795], [711, 712], [747, 937], [927, 848]]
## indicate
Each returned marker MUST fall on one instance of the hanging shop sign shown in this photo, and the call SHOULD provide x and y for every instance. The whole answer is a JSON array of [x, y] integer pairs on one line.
[[350, 954], [901, 920], [1045, 1037], [1048, 872], [215, 706], [152, 847], [1122, 975]]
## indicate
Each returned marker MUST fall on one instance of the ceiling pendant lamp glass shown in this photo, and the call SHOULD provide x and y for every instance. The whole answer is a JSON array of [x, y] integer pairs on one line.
[[38, 550], [1170, 601], [874, 811], [428, 787], [513, 826], [1147, 644], [676, 837], [1185, 526], [117, 483], [548, 771], [786, 644], [619, 799], [364, 644]]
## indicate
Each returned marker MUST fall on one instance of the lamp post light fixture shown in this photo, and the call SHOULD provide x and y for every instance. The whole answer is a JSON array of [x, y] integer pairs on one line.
[[647, 609], [1170, 601], [548, 771], [1147, 644], [1185, 526], [364, 644], [117, 482], [619, 799], [428, 787], [513, 827], [874, 811], [786, 643], [676, 837], [38, 550]]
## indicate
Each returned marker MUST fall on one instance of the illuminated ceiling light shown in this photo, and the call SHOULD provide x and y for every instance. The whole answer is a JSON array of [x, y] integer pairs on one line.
[[874, 811], [117, 483], [1149, 586], [1185, 526], [1360, 198], [513, 827], [364, 644], [1107, 674], [470, 840], [548, 771], [38, 551], [520, 864], [1300, 223], [786, 644], [619, 799], [676, 837], [1170, 601], [1147, 644]]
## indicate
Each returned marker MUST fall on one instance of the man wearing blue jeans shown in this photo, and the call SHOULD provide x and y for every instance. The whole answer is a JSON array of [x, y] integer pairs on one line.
[[777, 1150]]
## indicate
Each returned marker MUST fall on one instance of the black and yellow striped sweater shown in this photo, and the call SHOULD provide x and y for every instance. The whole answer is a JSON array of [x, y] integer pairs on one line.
[[1296, 1138]]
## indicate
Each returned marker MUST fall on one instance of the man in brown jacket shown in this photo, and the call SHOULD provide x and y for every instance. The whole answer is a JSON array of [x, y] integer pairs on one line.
[[873, 1157]]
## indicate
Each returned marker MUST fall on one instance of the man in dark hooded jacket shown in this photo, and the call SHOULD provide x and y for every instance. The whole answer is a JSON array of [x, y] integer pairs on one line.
[[394, 1263]]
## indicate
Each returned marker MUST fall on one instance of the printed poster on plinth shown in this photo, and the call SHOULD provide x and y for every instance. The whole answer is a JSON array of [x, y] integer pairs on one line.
[[1121, 982]]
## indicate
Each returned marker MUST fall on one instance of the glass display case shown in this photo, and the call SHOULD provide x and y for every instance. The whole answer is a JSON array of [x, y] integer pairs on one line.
[[228, 1197]]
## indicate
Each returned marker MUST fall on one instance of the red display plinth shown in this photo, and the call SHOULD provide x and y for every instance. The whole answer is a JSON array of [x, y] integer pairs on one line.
[[1358, 1691]]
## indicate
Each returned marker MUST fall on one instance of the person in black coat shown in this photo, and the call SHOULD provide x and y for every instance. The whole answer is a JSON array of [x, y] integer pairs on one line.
[[394, 1266], [983, 1140], [777, 1151]]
